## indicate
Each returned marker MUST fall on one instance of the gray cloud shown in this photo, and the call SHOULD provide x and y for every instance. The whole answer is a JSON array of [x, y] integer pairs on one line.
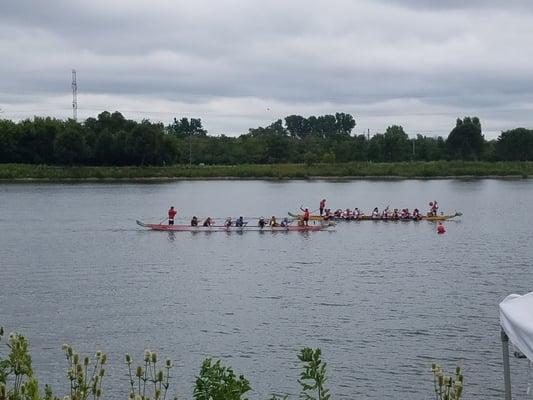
[[239, 64]]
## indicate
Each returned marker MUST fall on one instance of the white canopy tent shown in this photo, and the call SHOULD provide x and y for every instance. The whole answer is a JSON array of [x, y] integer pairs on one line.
[[516, 320]]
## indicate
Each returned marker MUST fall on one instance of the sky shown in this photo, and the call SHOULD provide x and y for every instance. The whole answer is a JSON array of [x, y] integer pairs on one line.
[[243, 64]]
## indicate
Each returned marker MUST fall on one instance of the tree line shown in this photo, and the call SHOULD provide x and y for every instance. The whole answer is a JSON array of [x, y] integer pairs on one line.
[[111, 139]]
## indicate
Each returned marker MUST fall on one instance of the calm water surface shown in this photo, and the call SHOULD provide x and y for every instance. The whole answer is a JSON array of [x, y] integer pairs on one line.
[[382, 300]]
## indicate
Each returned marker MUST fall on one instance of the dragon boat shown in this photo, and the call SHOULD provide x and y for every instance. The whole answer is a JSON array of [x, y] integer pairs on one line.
[[436, 218], [246, 228]]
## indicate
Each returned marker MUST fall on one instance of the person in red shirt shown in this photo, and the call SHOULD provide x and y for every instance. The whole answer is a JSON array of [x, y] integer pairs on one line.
[[322, 206], [171, 214], [305, 215]]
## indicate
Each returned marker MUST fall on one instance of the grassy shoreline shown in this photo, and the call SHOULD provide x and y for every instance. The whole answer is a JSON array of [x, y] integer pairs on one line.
[[359, 170]]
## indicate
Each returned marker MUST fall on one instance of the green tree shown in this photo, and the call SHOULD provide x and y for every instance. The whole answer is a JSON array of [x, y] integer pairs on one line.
[[8, 141], [105, 148], [345, 123], [427, 148], [143, 144], [515, 144], [465, 141], [69, 145], [396, 146], [185, 127], [297, 126]]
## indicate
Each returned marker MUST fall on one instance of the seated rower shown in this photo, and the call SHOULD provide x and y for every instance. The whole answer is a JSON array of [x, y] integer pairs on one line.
[[285, 222], [194, 221], [261, 223], [356, 213], [273, 221], [338, 213], [375, 213], [228, 222], [208, 222], [239, 222], [416, 214], [347, 214], [395, 215]]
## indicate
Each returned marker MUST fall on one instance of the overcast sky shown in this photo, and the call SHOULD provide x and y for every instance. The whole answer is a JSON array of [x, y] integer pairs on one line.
[[242, 64]]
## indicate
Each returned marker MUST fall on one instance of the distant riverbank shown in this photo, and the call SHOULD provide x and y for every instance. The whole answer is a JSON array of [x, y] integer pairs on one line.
[[359, 170]]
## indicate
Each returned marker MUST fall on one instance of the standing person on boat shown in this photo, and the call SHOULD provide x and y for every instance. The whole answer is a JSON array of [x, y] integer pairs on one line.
[[208, 222], [305, 216], [435, 208], [322, 206], [194, 221], [171, 214]]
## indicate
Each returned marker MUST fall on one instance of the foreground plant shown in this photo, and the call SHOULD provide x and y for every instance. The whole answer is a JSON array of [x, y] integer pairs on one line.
[[156, 379], [216, 382], [16, 373], [447, 387], [85, 381], [312, 378]]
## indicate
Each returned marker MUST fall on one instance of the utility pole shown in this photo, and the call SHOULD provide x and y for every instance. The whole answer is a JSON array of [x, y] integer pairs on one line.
[[368, 134], [74, 96], [190, 149]]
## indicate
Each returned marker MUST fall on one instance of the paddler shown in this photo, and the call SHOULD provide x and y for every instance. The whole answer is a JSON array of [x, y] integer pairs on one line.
[[273, 221], [194, 221], [228, 222], [171, 214], [261, 223], [435, 208], [322, 206], [239, 222], [305, 216], [208, 221]]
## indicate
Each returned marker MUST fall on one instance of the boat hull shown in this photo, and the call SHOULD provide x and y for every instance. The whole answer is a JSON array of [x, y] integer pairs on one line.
[[214, 228]]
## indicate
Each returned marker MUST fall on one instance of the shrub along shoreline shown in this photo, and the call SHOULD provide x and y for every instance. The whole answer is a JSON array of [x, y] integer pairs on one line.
[[355, 170]]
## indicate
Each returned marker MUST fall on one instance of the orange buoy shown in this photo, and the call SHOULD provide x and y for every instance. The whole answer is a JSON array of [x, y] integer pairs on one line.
[[440, 228]]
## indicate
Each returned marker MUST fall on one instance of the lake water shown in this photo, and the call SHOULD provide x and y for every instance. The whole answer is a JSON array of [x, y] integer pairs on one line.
[[382, 300]]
